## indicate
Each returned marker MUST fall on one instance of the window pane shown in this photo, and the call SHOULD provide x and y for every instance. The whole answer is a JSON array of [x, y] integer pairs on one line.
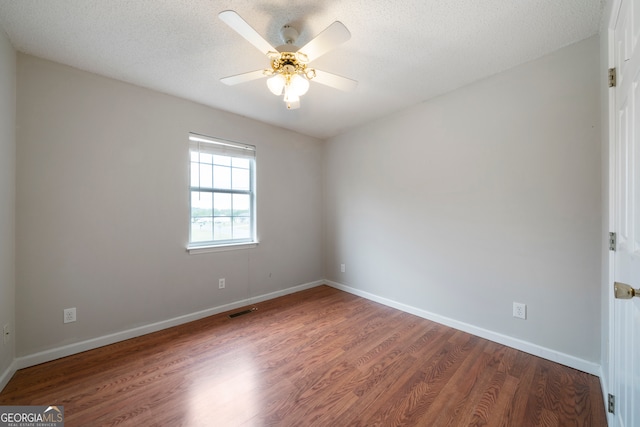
[[222, 177], [222, 228], [222, 160], [241, 179], [222, 204], [205, 177], [201, 157], [242, 228], [201, 229], [201, 204], [201, 217], [195, 172], [241, 205], [238, 162], [206, 158]]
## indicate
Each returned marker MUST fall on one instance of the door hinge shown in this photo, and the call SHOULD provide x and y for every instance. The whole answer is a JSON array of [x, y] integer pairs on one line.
[[612, 241], [612, 77], [611, 400]]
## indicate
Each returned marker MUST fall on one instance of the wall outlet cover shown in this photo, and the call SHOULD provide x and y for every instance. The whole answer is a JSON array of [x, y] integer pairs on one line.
[[519, 310], [69, 315]]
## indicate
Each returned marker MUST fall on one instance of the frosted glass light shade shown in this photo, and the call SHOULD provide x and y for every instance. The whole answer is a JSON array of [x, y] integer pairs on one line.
[[276, 84], [290, 95], [299, 85]]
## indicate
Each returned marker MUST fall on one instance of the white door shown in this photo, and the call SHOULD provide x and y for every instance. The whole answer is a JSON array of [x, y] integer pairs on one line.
[[626, 215]]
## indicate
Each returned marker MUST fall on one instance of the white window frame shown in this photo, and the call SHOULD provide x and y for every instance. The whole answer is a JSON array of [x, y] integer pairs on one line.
[[216, 146]]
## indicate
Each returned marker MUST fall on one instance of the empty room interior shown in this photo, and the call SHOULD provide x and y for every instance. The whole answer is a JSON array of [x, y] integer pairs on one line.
[[405, 207]]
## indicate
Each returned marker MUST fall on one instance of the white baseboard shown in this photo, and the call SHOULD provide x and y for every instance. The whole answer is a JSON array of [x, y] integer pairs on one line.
[[534, 349], [67, 350], [7, 374], [527, 347]]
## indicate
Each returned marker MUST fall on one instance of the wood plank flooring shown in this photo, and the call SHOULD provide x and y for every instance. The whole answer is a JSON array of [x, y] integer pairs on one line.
[[319, 357]]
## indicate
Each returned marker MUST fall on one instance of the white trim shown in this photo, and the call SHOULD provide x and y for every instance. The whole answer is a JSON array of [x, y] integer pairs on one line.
[[8, 374], [607, 375], [536, 350], [527, 347], [67, 350], [196, 138], [220, 248], [608, 340]]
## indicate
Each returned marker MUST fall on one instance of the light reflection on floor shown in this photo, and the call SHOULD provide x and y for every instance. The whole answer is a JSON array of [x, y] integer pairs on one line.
[[227, 395]]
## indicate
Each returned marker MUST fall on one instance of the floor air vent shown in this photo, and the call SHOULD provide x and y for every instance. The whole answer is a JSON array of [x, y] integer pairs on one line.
[[242, 313]]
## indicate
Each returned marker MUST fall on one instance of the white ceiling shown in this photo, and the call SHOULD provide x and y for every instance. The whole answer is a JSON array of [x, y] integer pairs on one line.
[[401, 52]]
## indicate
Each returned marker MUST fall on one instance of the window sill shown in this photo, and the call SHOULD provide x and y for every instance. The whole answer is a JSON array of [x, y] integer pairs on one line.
[[220, 248]]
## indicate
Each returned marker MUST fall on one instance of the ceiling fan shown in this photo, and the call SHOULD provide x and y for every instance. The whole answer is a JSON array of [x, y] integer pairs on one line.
[[290, 74]]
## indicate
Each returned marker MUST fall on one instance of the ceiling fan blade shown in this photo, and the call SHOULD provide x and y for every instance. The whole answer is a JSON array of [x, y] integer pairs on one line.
[[234, 20], [242, 78], [335, 81], [334, 35]]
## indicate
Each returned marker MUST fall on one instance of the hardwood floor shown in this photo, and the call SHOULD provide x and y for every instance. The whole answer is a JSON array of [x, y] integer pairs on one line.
[[319, 357]]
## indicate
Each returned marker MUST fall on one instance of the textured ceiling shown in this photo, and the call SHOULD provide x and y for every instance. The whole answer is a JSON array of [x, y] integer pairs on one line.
[[401, 52]]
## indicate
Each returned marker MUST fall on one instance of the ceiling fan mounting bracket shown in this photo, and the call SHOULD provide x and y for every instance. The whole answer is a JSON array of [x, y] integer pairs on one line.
[[289, 34]]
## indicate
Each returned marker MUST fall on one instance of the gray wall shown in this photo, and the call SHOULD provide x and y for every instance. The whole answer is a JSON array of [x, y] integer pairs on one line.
[[484, 196], [102, 202], [458, 206], [7, 196]]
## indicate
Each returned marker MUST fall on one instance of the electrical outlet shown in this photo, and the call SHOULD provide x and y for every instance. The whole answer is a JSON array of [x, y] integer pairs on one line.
[[519, 310], [69, 315], [221, 283], [5, 333], [343, 268]]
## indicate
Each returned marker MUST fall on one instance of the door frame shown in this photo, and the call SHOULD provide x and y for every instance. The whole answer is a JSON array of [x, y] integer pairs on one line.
[[608, 342]]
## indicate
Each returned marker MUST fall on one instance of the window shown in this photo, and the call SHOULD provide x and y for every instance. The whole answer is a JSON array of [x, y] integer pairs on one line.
[[222, 193]]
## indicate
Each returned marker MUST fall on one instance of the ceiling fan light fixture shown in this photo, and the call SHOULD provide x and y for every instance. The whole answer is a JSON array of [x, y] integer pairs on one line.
[[289, 76], [293, 105], [290, 95], [302, 58], [276, 84], [299, 84]]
